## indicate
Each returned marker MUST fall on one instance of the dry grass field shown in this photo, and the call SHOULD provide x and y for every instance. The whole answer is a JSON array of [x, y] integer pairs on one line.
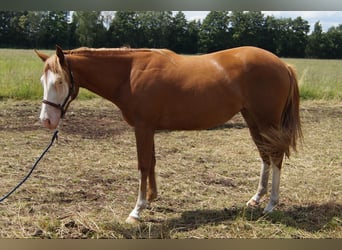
[[87, 183]]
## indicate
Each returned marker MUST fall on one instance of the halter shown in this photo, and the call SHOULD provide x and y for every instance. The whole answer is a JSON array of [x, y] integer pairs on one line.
[[71, 95]]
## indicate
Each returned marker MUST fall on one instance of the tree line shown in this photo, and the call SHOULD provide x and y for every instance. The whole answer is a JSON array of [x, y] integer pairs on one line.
[[285, 37]]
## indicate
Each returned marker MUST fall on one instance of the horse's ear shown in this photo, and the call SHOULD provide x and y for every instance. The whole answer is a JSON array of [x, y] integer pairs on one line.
[[42, 56], [60, 54]]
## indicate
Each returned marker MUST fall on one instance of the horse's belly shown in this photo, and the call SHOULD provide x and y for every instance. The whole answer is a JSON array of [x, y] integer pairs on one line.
[[194, 119]]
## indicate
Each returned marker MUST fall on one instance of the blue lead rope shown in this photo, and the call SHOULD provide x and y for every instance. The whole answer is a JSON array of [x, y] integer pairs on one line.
[[54, 137]]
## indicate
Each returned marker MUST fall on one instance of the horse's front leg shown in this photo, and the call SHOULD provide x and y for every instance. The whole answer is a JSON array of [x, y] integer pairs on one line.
[[145, 147], [152, 185]]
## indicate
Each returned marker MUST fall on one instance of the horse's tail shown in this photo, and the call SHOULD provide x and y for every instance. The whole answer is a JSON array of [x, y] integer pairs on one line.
[[290, 122], [284, 137]]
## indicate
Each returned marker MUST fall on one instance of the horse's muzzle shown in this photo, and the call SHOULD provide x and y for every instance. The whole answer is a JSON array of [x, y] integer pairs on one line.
[[48, 124]]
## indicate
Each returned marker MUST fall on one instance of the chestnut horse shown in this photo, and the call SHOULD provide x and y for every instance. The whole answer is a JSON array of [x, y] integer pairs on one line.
[[158, 89]]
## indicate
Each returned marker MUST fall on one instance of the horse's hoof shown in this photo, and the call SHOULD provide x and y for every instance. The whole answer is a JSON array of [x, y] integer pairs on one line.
[[252, 203], [269, 208], [132, 220]]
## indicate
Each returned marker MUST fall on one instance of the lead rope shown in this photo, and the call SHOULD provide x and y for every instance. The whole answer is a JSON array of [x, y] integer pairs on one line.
[[54, 137]]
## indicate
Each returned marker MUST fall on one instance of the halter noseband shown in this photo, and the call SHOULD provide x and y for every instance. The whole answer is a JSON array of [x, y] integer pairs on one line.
[[71, 93]]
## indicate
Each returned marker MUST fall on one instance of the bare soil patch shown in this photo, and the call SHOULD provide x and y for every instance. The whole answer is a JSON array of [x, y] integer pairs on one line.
[[87, 184]]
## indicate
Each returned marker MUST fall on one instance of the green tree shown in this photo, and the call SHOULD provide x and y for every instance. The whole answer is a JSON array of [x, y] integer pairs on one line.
[[292, 37], [53, 29], [155, 26], [270, 33], [315, 46], [124, 29], [214, 32], [248, 28], [183, 36], [179, 31], [18, 30], [191, 44], [5, 27], [334, 35], [101, 34], [89, 28], [33, 27], [300, 30]]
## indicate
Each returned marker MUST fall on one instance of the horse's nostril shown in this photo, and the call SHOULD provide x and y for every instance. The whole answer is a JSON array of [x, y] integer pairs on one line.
[[46, 122]]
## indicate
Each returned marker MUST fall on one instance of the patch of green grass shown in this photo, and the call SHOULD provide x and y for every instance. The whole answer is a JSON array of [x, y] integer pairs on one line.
[[19, 74], [20, 71], [319, 79]]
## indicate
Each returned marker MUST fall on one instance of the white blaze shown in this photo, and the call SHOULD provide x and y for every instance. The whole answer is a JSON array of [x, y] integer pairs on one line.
[[55, 91]]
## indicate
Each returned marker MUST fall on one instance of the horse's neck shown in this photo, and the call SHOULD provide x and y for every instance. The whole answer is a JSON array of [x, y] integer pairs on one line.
[[102, 76]]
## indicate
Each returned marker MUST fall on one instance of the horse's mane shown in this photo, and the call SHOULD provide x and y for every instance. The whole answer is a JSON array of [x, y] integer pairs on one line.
[[85, 51], [103, 51]]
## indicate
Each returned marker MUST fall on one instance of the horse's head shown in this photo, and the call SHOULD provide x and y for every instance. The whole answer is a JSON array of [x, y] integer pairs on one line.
[[59, 87]]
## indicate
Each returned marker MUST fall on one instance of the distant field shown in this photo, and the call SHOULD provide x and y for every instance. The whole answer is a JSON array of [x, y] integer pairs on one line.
[[20, 71], [319, 79]]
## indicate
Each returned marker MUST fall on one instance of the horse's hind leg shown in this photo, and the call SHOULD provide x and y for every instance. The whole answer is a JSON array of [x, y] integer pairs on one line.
[[273, 160], [262, 186], [266, 161], [276, 162]]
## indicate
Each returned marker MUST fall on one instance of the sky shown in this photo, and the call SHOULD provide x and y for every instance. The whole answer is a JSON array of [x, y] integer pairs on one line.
[[326, 18]]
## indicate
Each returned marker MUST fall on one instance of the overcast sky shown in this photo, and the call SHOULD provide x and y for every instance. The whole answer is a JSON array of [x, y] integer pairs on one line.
[[326, 18]]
